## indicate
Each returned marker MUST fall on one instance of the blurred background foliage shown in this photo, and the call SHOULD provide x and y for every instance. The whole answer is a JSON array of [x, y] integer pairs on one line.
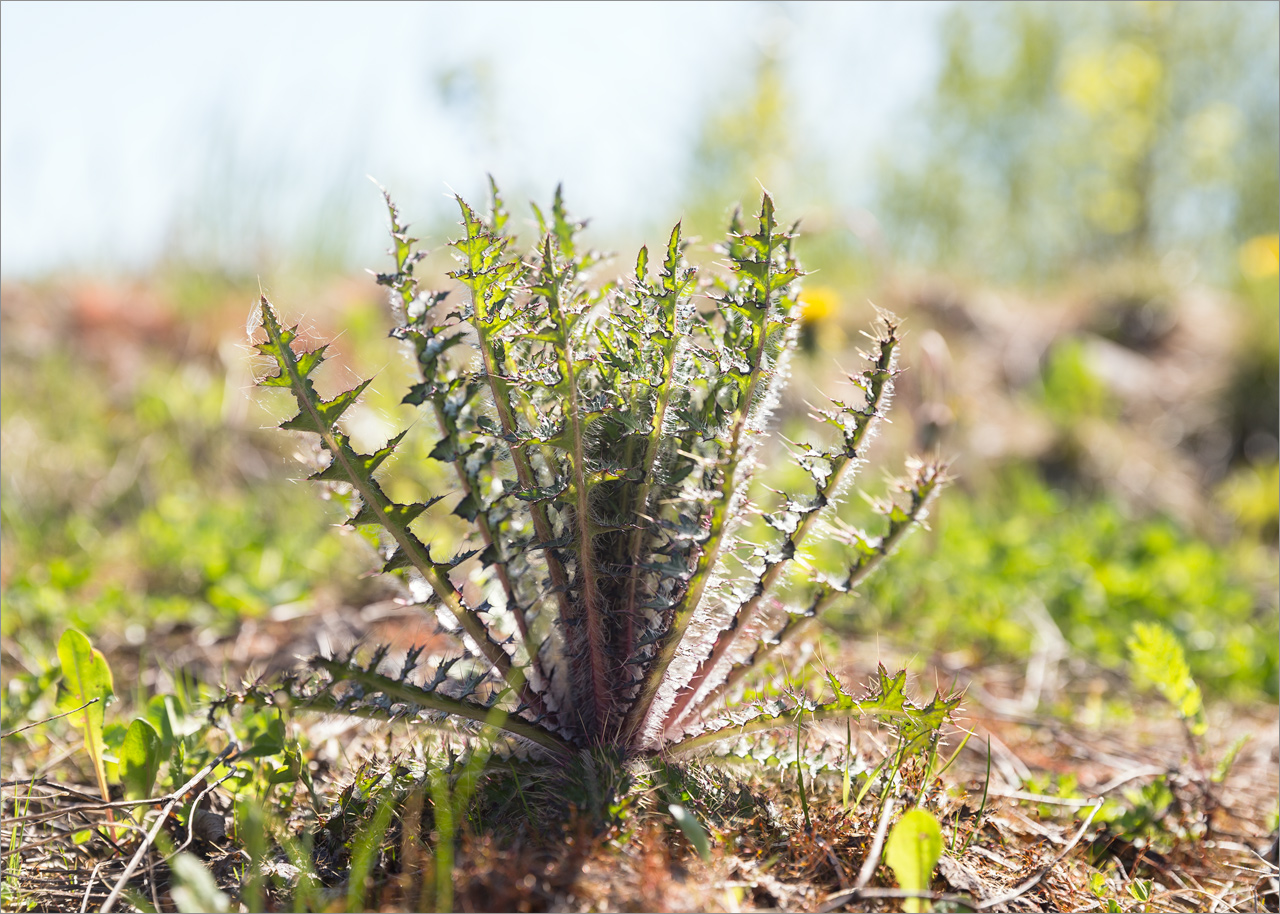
[[1077, 216], [1090, 132]]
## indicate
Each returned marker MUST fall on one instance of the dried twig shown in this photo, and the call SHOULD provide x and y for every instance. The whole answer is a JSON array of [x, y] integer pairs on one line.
[[52, 788], [80, 808], [1044, 871], [1118, 781], [155, 829], [195, 805], [93, 878], [1122, 779], [873, 856], [16, 730]]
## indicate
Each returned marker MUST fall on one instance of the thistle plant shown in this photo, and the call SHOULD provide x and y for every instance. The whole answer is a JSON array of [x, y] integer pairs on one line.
[[605, 438]]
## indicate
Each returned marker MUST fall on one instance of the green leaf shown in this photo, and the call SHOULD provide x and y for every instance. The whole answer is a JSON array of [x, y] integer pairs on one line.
[[1140, 889], [194, 887], [86, 678], [692, 829], [365, 464], [288, 772], [425, 697], [912, 851], [324, 413], [139, 760]]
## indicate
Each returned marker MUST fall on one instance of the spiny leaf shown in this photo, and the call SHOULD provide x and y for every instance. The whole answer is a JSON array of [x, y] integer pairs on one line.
[[887, 702], [366, 463], [437, 701]]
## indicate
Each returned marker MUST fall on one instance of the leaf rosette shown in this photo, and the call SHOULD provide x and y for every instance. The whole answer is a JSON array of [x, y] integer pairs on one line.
[[605, 439]]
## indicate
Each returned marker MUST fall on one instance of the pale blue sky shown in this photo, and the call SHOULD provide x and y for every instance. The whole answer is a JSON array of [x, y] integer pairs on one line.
[[132, 129]]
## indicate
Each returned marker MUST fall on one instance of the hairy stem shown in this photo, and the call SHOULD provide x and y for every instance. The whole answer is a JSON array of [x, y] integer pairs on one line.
[[722, 506], [931, 480], [587, 568], [878, 389]]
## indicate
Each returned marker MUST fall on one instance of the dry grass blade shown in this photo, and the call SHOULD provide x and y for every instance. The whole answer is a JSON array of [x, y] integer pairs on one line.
[[840, 899], [877, 844]]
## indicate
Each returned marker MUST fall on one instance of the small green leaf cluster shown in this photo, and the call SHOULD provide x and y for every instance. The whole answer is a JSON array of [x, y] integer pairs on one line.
[[130, 755], [1096, 569], [87, 687], [167, 740], [605, 438]]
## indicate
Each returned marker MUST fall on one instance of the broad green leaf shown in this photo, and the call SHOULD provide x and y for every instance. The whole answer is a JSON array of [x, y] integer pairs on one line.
[[86, 678], [912, 851], [139, 760], [692, 829], [270, 740], [112, 739]]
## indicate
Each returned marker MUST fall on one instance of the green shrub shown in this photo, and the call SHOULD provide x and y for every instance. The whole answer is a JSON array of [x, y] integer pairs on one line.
[[604, 439]]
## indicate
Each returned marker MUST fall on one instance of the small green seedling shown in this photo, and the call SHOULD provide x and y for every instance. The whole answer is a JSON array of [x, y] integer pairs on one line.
[[693, 830], [87, 687], [804, 801], [912, 851], [848, 756], [1098, 884], [450, 806], [1140, 889], [1158, 659], [364, 854]]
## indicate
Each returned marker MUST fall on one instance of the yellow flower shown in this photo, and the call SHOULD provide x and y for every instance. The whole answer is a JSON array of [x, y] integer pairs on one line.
[[1260, 256], [818, 304], [819, 328]]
